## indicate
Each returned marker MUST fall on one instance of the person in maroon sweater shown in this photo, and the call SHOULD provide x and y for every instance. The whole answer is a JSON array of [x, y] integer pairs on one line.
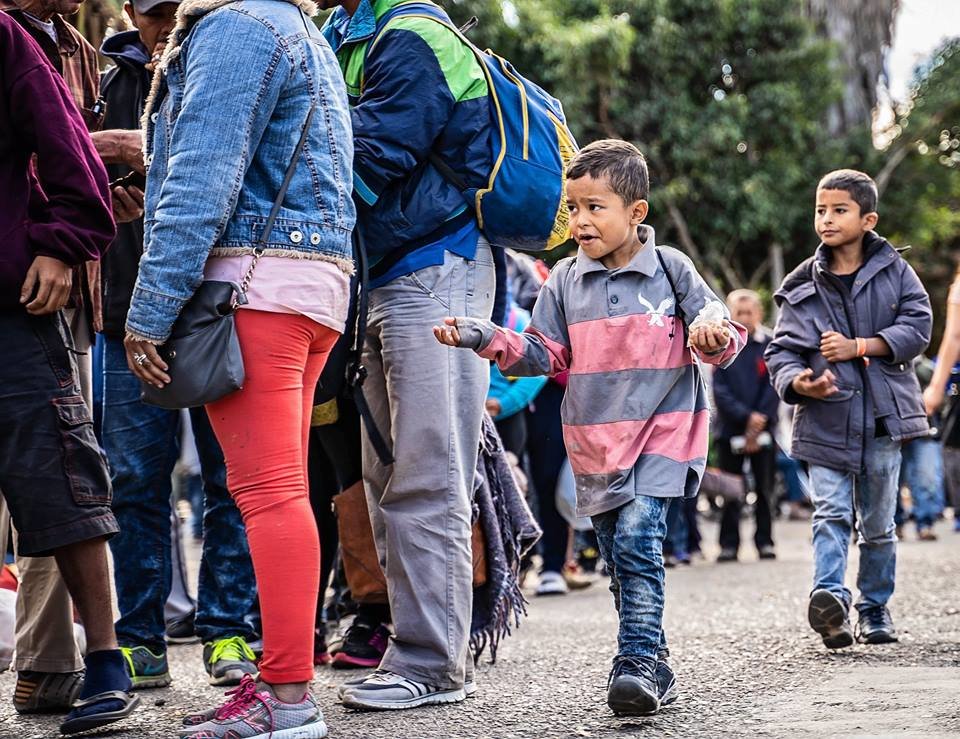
[[55, 214]]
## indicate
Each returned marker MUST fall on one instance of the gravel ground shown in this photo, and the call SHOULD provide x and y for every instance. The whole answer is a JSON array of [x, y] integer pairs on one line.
[[747, 663]]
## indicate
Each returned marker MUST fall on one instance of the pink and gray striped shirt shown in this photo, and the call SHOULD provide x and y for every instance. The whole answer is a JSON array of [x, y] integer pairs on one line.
[[635, 414]]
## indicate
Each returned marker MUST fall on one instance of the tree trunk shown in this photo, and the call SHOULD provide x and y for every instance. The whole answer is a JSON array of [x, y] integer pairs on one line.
[[862, 31]]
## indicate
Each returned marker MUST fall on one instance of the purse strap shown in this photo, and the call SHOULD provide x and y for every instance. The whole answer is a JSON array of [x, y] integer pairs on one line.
[[268, 228]]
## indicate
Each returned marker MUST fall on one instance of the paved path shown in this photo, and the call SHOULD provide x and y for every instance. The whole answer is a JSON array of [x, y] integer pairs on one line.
[[747, 663]]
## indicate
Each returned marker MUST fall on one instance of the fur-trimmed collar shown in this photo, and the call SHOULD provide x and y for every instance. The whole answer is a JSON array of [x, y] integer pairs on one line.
[[188, 13]]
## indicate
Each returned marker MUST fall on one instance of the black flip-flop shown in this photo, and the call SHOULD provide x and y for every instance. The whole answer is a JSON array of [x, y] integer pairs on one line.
[[96, 720]]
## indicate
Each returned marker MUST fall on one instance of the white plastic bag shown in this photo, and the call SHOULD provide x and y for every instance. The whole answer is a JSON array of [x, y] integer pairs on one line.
[[712, 314]]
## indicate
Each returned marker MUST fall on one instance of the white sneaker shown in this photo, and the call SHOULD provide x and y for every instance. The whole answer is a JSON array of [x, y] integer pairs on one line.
[[387, 691], [469, 684], [552, 583]]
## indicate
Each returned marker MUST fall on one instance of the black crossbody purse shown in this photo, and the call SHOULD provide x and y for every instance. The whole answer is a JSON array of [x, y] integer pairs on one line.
[[203, 352]]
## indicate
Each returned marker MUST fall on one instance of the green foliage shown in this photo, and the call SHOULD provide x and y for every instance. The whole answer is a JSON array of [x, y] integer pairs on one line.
[[725, 98], [728, 98], [921, 204]]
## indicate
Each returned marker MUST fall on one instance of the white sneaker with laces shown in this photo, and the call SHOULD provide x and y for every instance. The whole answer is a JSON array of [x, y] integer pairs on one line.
[[552, 583], [387, 691]]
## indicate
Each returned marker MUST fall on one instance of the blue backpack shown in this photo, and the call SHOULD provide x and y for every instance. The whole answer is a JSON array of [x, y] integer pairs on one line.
[[523, 205]]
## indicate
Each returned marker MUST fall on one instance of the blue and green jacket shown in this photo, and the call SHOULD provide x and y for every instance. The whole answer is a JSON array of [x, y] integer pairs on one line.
[[413, 89]]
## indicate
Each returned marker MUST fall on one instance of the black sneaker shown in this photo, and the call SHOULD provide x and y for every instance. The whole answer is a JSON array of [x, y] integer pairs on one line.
[[767, 552], [727, 554], [182, 630], [588, 558], [828, 617], [632, 688], [875, 626], [363, 646], [666, 680]]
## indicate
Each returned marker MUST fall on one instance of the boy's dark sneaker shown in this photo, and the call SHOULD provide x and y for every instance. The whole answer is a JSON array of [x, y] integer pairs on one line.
[[363, 646], [146, 669], [767, 552], [666, 680], [875, 626], [828, 617], [632, 689], [228, 660], [46, 692]]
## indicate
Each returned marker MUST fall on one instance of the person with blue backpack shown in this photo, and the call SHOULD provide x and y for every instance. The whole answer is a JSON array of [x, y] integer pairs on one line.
[[445, 142]]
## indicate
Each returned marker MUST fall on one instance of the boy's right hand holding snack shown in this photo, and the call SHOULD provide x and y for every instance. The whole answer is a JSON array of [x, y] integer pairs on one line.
[[710, 330]]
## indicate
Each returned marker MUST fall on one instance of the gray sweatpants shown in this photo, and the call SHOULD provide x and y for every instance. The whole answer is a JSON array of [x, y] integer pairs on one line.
[[428, 402]]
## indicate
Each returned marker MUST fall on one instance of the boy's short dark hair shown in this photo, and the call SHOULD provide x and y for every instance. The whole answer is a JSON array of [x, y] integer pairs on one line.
[[620, 162], [860, 185]]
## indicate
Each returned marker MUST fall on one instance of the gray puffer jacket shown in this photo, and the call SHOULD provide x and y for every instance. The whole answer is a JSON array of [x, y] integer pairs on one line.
[[887, 300]]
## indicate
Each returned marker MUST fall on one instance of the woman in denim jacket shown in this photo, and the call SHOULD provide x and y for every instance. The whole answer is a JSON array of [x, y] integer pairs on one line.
[[225, 112]]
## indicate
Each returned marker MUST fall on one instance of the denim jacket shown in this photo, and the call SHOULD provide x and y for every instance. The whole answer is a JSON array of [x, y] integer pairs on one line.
[[225, 111]]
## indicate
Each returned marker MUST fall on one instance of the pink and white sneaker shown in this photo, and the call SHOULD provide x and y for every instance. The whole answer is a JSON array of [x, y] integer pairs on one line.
[[256, 714]]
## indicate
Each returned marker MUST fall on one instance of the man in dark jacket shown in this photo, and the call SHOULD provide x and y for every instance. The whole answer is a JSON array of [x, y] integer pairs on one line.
[[55, 215], [416, 89], [747, 409], [142, 441], [852, 317]]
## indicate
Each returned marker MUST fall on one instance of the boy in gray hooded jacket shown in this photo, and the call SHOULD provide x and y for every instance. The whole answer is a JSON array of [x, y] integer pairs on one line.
[[852, 317]]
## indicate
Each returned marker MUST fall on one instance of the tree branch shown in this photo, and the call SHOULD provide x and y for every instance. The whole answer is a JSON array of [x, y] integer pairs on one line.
[[690, 246]]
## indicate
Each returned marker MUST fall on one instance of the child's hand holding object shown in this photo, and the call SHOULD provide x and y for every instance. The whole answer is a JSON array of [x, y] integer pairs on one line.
[[709, 332]]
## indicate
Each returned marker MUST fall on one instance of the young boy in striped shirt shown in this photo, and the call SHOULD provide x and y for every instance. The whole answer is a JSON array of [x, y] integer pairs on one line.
[[635, 414]]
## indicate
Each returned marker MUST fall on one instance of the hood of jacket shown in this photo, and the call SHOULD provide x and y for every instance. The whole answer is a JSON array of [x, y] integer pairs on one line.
[[125, 49]]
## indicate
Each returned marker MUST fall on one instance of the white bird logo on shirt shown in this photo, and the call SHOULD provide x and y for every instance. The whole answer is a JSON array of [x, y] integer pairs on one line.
[[656, 314]]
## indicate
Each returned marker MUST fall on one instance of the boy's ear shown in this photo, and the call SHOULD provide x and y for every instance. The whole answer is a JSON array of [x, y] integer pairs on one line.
[[638, 212], [870, 221], [128, 9]]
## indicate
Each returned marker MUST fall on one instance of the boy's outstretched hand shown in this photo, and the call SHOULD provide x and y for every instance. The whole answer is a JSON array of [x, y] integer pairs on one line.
[[820, 388], [835, 347], [710, 339], [448, 334]]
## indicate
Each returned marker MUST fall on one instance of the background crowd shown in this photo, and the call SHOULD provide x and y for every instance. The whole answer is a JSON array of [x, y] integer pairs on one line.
[[168, 472]]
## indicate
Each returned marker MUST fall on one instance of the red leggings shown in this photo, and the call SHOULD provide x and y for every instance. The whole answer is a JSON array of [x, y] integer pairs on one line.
[[263, 430]]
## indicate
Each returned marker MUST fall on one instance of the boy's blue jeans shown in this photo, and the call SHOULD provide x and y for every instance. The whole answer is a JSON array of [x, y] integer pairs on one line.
[[142, 445], [923, 474], [870, 498], [631, 542]]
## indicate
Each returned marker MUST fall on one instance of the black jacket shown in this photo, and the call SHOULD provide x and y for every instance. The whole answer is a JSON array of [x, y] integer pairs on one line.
[[744, 388], [124, 87]]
